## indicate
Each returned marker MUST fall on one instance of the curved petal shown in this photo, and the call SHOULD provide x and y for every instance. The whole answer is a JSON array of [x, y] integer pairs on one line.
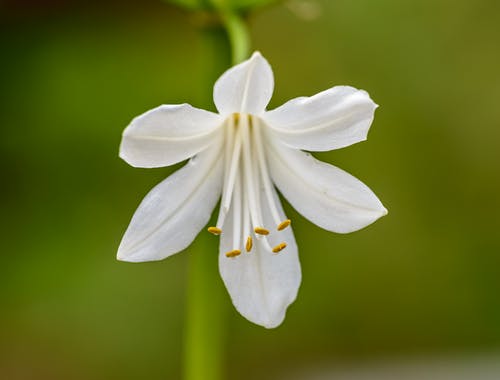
[[245, 88], [332, 119], [168, 134], [262, 284], [172, 214], [323, 193]]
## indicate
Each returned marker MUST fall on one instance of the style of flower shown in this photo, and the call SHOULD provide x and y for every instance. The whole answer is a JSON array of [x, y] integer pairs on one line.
[[238, 156]]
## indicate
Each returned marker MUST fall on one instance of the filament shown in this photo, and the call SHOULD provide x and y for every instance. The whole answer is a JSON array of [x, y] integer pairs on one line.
[[265, 173]]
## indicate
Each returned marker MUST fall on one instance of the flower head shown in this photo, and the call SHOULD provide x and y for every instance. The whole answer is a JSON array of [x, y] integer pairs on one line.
[[239, 155]]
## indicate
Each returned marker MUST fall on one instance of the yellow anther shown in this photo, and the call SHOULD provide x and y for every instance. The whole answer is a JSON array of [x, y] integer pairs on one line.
[[284, 224], [261, 231], [233, 253], [279, 247], [249, 244], [214, 230]]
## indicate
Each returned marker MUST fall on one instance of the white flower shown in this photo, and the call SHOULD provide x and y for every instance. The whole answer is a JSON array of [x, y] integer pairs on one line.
[[241, 153]]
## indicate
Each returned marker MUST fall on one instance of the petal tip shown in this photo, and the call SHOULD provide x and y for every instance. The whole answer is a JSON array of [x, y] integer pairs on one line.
[[124, 156], [258, 58], [127, 253], [246, 87], [269, 322], [272, 325], [121, 256], [127, 257], [134, 162], [379, 213], [124, 254]]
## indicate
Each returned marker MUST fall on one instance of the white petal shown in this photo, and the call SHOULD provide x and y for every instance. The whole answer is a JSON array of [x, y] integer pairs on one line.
[[168, 134], [323, 193], [261, 284], [172, 214], [332, 119], [245, 88]]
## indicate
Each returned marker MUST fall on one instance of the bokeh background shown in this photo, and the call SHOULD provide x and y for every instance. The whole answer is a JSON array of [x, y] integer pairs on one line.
[[421, 285]]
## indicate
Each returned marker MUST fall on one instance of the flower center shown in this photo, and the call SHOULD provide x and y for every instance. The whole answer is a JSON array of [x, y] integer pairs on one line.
[[246, 178]]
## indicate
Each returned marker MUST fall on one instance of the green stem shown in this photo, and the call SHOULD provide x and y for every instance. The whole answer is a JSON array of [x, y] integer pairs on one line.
[[239, 38], [204, 339], [206, 298], [205, 314], [236, 29]]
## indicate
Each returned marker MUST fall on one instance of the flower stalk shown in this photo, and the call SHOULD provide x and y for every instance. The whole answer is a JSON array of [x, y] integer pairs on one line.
[[238, 35], [204, 335]]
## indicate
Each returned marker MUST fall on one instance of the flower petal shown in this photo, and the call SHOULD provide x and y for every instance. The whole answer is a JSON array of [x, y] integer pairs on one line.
[[172, 214], [261, 284], [332, 119], [323, 193], [168, 134], [245, 88]]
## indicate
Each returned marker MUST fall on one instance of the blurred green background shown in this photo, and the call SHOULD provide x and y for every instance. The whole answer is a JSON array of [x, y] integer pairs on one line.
[[422, 281]]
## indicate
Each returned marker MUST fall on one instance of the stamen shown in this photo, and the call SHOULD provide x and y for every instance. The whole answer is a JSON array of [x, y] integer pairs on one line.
[[228, 144], [214, 230], [246, 217], [278, 248], [284, 224], [261, 231], [233, 253], [249, 244], [237, 235], [255, 171], [264, 171], [250, 180], [233, 166]]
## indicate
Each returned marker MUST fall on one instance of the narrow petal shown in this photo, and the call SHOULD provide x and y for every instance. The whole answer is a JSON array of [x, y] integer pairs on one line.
[[332, 119], [168, 134], [323, 193], [172, 214], [261, 284], [245, 88]]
